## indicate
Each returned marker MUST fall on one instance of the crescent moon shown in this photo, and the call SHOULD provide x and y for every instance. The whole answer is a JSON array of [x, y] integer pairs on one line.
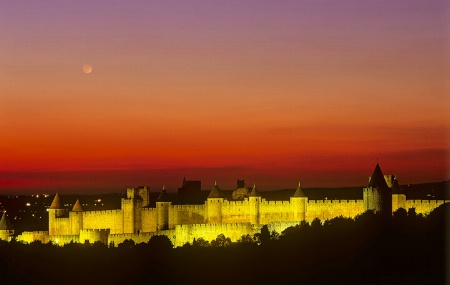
[[87, 68]]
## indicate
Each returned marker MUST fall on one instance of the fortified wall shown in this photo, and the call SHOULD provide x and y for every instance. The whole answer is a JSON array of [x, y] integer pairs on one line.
[[139, 220]]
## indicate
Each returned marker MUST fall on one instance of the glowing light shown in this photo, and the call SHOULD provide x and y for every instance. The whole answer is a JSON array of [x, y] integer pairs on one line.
[[28, 204], [87, 68]]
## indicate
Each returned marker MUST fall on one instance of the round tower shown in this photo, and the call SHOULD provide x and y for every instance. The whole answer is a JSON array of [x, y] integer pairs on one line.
[[254, 200], [54, 211], [377, 195], [162, 211], [6, 230], [214, 205], [76, 218], [398, 197], [298, 203]]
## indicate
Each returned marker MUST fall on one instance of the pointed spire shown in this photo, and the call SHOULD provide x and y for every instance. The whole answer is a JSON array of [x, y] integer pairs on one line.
[[4, 223], [377, 179], [255, 192], [56, 204], [163, 197], [77, 207], [396, 189], [299, 192], [215, 191]]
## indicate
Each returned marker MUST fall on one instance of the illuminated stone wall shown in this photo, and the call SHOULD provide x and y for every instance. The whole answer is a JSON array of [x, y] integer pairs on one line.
[[424, 206], [187, 233], [109, 219], [61, 226], [328, 209], [4, 235], [236, 211], [275, 211], [92, 236], [186, 215], [148, 220], [28, 237], [183, 223], [64, 239]]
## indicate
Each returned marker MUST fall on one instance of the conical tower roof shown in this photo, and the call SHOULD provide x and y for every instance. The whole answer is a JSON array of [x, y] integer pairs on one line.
[[377, 179], [56, 204], [77, 207], [163, 197], [215, 192], [255, 192], [4, 223], [396, 189], [299, 192]]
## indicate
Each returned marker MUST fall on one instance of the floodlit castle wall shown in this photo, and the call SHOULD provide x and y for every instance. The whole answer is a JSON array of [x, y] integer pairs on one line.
[[108, 219], [162, 215], [28, 237], [186, 215], [64, 239], [398, 201], [54, 226], [298, 208], [209, 232], [329, 209], [4, 235], [128, 213], [116, 239], [148, 220], [236, 211], [76, 222], [273, 211], [424, 206], [92, 235], [61, 226], [214, 210]]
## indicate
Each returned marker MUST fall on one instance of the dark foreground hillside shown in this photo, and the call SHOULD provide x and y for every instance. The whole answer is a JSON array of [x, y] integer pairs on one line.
[[410, 249]]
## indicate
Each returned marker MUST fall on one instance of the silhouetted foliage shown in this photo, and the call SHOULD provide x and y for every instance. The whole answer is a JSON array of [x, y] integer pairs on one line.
[[366, 250], [200, 242], [160, 242], [221, 241]]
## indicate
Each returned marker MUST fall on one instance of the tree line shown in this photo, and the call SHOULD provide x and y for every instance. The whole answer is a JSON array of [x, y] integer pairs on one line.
[[370, 249]]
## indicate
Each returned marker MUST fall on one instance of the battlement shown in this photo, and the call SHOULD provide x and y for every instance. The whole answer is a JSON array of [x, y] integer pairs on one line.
[[285, 203], [188, 207], [148, 209], [334, 201], [224, 225], [95, 230], [36, 233], [102, 212], [239, 203]]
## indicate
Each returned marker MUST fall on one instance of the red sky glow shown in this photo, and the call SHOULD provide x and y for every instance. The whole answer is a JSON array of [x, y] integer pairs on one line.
[[271, 92]]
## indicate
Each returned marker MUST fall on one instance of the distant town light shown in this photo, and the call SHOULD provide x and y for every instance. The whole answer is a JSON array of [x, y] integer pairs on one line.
[[28, 204]]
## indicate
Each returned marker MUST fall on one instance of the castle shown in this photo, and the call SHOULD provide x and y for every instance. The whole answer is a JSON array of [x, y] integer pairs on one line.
[[139, 221]]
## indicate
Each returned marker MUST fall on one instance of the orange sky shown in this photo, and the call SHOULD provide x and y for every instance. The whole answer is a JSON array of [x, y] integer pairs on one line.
[[257, 91]]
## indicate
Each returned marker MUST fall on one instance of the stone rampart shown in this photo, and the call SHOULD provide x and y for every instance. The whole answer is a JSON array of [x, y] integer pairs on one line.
[[28, 237], [186, 214], [236, 211], [108, 219], [329, 209], [424, 206]]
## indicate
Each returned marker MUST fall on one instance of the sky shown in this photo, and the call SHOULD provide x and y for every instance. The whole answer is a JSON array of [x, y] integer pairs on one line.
[[272, 92]]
